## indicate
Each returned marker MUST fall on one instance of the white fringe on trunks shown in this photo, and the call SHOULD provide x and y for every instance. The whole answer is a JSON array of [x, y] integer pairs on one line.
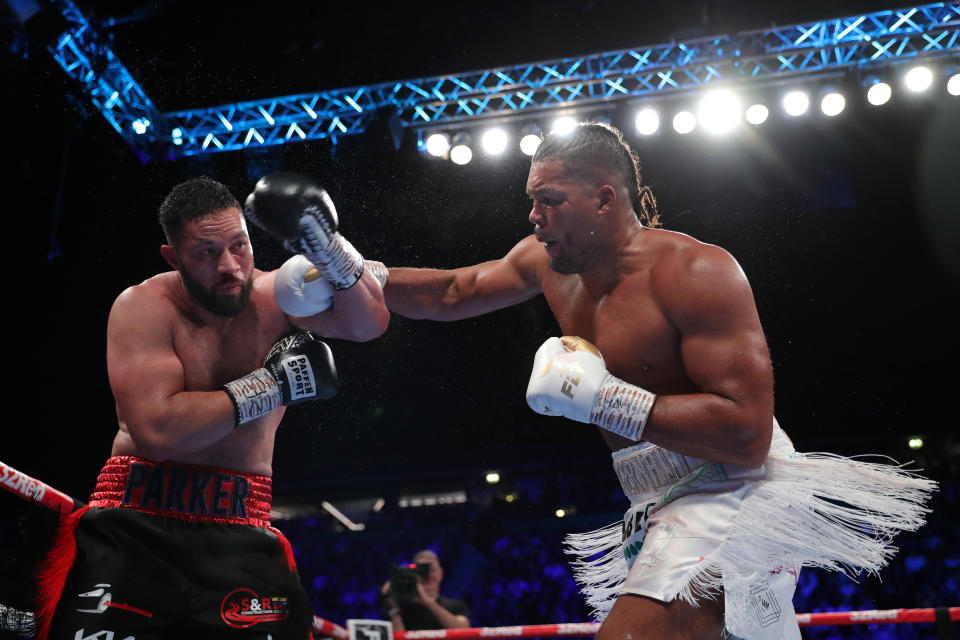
[[803, 510]]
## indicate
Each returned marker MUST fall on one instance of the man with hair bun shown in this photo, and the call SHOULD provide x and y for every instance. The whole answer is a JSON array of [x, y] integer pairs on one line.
[[664, 352]]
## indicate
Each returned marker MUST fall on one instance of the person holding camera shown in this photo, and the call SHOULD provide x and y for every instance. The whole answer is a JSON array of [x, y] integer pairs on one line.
[[412, 601]]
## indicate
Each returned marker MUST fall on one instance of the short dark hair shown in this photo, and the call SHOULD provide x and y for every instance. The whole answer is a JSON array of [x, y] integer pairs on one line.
[[597, 145], [193, 199]]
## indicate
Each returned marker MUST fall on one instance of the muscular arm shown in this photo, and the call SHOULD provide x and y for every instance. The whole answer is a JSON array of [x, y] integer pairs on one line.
[[147, 378], [436, 294], [358, 313], [724, 352]]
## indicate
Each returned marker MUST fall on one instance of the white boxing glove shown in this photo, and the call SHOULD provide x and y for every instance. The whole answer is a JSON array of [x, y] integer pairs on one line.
[[299, 291], [570, 379], [565, 380]]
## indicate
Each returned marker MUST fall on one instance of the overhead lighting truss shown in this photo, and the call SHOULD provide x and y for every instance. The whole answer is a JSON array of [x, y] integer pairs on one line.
[[863, 41], [87, 57]]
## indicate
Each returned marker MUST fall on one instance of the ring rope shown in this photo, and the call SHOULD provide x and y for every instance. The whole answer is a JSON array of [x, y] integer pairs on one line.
[[576, 629]]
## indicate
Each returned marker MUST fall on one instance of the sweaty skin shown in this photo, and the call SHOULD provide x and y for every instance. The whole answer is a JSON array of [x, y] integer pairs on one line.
[[167, 356], [670, 314]]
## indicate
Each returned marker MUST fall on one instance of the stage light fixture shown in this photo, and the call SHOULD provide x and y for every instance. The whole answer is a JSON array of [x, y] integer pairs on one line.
[[438, 144], [177, 135], [492, 477], [916, 442], [684, 122], [494, 141], [560, 513], [757, 114], [140, 126], [832, 103], [529, 143], [918, 79], [879, 93], [953, 85], [461, 153], [563, 125], [648, 121], [796, 103], [719, 111]]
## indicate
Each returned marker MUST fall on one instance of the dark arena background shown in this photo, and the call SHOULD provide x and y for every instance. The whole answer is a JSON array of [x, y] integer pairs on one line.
[[848, 228]]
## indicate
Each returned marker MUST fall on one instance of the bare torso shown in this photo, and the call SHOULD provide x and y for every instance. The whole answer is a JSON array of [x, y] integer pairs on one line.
[[213, 355], [624, 318]]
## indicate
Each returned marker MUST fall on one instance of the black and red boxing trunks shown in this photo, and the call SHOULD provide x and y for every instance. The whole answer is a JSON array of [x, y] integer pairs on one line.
[[172, 550]]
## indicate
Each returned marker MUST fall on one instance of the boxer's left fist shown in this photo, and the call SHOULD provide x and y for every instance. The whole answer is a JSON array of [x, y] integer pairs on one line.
[[567, 374], [302, 365], [300, 290], [299, 213]]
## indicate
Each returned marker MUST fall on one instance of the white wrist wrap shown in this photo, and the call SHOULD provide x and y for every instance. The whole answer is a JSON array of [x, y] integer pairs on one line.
[[621, 407], [340, 264], [254, 395], [378, 270]]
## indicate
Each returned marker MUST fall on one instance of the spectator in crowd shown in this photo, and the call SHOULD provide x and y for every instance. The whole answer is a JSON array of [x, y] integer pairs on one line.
[[412, 600]]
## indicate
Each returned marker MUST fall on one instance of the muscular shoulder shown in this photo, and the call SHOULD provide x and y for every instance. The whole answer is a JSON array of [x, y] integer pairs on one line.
[[152, 296], [529, 257], [689, 276]]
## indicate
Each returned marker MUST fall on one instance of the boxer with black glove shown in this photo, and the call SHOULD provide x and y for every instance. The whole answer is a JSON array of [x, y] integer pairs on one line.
[[296, 211], [298, 368]]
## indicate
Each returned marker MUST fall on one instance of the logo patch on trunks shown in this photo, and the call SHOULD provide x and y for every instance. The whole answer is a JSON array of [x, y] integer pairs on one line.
[[243, 608]]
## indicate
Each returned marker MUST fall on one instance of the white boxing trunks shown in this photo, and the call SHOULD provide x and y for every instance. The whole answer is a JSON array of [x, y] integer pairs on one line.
[[696, 529]]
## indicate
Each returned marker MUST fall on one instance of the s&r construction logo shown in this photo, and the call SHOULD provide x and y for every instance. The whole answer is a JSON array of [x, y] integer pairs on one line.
[[243, 608]]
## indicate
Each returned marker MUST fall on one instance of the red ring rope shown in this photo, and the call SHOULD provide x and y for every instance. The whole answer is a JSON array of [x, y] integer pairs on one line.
[[829, 618]]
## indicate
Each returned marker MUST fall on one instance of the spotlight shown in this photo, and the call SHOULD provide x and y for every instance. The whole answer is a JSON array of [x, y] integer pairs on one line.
[[493, 477], [879, 93], [796, 103], [529, 143], [177, 135], [563, 125], [757, 114], [918, 79], [832, 104], [461, 153], [510, 497], [915, 443], [684, 122], [560, 513], [494, 141], [719, 111], [953, 85], [140, 125], [647, 121], [438, 144]]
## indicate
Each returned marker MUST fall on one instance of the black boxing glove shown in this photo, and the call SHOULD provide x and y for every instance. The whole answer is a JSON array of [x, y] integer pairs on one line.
[[296, 211], [297, 368]]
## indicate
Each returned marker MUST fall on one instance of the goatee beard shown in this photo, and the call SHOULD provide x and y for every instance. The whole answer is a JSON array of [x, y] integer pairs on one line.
[[219, 305]]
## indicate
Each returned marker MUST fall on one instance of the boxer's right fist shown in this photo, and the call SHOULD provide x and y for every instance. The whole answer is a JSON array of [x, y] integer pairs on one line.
[[567, 374], [297, 368], [296, 211]]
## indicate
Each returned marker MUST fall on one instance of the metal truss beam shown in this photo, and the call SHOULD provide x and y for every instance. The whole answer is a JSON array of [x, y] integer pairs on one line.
[[854, 42], [88, 58]]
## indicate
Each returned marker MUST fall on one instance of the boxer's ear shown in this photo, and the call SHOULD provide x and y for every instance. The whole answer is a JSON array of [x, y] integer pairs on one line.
[[169, 253]]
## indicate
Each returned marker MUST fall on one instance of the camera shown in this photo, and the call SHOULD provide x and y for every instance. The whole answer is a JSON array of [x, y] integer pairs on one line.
[[403, 580]]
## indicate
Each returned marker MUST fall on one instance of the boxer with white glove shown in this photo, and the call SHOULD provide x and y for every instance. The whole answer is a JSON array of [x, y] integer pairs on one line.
[[293, 209], [298, 368], [570, 379]]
